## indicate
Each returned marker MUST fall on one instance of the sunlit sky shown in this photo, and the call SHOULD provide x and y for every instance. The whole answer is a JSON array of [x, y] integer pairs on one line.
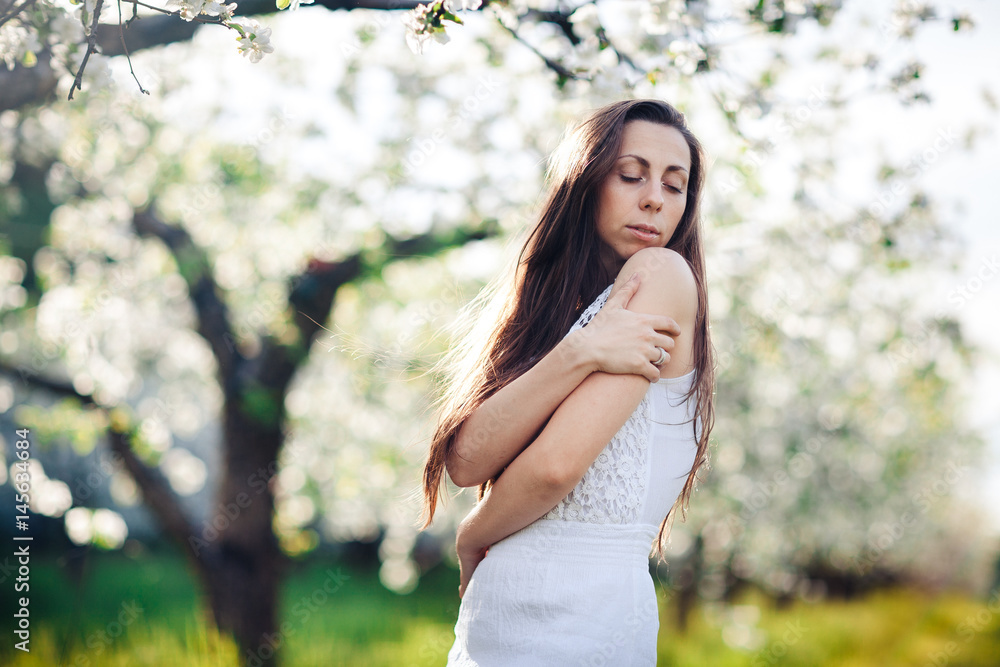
[[960, 67]]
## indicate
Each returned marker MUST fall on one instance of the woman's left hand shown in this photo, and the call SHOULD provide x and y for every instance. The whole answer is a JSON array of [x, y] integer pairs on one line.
[[469, 556]]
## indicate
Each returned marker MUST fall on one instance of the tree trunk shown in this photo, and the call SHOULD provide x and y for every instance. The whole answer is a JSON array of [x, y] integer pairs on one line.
[[243, 594], [243, 572]]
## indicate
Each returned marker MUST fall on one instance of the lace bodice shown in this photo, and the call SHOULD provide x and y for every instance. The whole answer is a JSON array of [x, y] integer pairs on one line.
[[614, 490], [591, 312]]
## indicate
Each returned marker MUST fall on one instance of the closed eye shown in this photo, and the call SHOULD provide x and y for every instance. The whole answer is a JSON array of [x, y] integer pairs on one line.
[[636, 179]]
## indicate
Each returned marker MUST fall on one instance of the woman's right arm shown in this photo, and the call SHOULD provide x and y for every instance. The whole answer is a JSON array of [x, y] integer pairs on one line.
[[617, 341]]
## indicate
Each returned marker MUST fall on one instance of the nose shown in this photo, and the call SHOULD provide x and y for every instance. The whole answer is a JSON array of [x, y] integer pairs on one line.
[[652, 198]]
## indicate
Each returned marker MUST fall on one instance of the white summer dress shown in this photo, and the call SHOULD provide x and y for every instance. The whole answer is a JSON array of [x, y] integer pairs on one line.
[[573, 588]]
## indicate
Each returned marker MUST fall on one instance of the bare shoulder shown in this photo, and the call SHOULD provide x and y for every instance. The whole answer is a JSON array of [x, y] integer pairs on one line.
[[659, 263], [668, 284]]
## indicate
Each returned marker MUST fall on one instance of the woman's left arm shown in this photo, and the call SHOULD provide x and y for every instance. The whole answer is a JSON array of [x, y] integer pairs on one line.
[[583, 424]]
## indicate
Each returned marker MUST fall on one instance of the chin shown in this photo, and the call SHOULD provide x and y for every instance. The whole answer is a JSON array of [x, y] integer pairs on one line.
[[631, 251]]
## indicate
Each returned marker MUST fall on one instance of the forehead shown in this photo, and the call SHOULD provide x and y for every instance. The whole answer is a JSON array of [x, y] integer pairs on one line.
[[662, 145]]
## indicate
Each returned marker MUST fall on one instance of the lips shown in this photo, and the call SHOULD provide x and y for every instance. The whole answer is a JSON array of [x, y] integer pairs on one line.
[[644, 232]]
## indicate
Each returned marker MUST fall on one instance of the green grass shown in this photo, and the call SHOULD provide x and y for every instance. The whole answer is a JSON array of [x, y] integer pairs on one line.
[[146, 612]]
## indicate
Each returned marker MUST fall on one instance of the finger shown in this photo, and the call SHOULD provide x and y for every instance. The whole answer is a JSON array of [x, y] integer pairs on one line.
[[651, 372], [666, 325], [666, 342], [625, 294]]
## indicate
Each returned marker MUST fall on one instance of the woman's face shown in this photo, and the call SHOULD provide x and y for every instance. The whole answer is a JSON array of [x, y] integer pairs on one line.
[[642, 199]]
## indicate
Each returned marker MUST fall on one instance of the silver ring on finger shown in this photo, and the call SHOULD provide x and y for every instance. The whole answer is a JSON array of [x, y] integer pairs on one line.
[[662, 357]]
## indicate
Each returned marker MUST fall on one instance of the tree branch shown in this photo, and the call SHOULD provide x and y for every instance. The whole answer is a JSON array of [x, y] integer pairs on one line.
[[153, 31], [22, 86], [10, 11], [30, 85], [557, 18], [91, 47], [213, 315], [563, 73], [313, 291], [156, 491], [157, 494]]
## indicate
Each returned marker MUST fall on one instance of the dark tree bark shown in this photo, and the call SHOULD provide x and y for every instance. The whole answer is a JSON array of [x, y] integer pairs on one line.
[[245, 567]]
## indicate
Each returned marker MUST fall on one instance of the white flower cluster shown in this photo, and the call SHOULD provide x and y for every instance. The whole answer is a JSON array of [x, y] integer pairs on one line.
[[189, 9], [254, 40], [426, 22], [17, 44], [62, 32], [62, 29], [592, 61], [419, 29]]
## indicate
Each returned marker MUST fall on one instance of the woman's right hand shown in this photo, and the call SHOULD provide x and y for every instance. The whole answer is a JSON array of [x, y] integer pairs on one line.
[[622, 342]]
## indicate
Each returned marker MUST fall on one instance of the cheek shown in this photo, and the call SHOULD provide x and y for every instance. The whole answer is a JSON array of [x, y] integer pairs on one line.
[[680, 205], [618, 193], [610, 205]]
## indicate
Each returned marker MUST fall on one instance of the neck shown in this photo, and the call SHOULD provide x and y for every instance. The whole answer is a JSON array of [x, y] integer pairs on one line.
[[610, 260]]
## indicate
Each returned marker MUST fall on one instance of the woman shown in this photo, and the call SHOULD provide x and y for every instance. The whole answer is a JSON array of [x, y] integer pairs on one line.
[[582, 443]]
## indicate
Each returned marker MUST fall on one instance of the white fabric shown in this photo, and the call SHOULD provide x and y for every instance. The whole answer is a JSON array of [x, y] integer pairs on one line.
[[573, 588]]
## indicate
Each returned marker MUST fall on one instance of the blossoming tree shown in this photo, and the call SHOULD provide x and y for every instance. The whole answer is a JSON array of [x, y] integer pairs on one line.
[[227, 267]]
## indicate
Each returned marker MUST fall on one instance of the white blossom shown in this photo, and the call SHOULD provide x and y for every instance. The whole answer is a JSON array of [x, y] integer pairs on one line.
[[416, 28], [420, 30], [507, 14], [662, 17], [254, 41], [65, 29], [223, 11], [15, 42], [585, 20], [99, 71], [187, 9], [686, 55]]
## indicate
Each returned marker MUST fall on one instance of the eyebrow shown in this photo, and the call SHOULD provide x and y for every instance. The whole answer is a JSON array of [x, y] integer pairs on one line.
[[645, 163]]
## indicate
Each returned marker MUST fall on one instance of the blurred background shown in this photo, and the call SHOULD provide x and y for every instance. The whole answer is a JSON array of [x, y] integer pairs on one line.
[[221, 304]]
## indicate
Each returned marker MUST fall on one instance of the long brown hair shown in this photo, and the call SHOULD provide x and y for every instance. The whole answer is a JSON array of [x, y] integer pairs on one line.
[[559, 272]]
